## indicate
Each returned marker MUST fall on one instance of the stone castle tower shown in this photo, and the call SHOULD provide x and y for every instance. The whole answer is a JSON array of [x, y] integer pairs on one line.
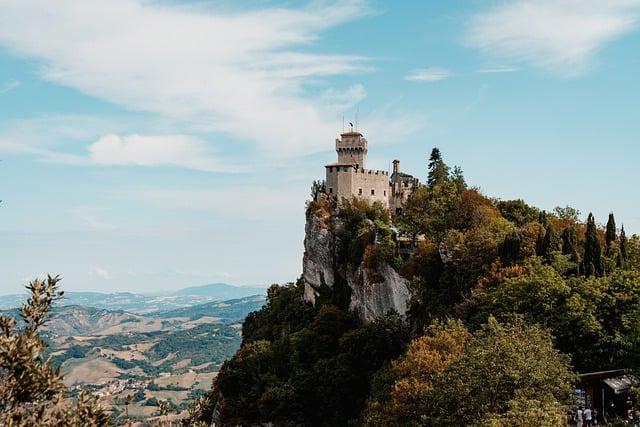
[[352, 149], [349, 177]]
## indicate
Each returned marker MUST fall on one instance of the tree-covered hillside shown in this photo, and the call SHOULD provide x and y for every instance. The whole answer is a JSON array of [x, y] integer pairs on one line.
[[493, 282]]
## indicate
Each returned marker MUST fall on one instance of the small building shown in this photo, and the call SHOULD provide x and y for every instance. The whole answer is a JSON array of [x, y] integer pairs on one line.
[[349, 177], [606, 392]]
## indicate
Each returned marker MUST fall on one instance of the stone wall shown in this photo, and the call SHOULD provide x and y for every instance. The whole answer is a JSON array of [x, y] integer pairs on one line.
[[347, 182], [371, 185]]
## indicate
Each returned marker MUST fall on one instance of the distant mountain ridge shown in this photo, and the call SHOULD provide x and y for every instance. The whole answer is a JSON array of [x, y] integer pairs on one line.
[[146, 303], [222, 291], [71, 320]]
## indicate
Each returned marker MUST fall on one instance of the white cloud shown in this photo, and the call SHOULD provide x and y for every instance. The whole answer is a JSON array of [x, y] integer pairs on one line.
[[141, 150], [239, 72], [556, 35], [8, 86], [432, 74]]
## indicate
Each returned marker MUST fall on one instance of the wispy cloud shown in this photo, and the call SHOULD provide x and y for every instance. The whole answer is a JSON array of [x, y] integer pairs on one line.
[[561, 36], [154, 150], [9, 86], [58, 139], [241, 73], [496, 70], [432, 74]]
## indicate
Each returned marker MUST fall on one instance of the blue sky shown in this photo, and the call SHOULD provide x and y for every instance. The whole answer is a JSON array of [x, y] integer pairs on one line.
[[150, 146]]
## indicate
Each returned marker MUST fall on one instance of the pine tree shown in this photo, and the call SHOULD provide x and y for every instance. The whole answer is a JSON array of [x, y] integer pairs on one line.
[[438, 169], [592, 260], [611, 231]]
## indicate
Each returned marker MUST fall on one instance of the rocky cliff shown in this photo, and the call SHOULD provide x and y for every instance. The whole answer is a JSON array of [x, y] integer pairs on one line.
[[373, 291]]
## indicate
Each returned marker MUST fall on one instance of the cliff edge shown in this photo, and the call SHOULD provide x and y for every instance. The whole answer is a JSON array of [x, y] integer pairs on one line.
[[372, 291]]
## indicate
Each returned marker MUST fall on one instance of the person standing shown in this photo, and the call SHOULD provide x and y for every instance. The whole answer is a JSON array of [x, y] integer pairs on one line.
[[588, 417], [579, 417]]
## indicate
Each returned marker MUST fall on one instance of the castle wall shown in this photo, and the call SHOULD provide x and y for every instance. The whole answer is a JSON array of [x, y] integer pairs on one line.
[[372, 185], [339, 181], [347, 182]]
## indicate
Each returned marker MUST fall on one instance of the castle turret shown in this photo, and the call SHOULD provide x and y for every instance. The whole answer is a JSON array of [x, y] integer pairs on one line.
[[352, 149]]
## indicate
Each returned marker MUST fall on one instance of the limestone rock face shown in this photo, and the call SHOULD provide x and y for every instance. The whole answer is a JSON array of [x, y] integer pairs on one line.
[[319, 254], [373, 292]]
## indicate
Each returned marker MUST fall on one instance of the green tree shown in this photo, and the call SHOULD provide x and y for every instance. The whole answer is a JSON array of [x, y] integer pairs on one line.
[[510, 248], [623, 244], [31, 389], [567, 213], [457, 176], [550, 244], [489, 377], [315, 372], [317, 188], [592, 259], [429, 211], [438, 169], [570, 247], [610, 235], [517, 211]]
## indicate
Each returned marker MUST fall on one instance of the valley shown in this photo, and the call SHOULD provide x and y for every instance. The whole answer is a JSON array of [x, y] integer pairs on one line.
[[133, 360]]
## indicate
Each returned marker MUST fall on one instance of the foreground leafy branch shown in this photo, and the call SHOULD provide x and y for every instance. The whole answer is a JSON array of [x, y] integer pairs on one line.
[[31, 389]]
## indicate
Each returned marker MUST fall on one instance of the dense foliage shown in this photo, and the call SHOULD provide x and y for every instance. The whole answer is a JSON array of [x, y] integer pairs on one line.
[[304, 365], [450, 377], [520, 282]]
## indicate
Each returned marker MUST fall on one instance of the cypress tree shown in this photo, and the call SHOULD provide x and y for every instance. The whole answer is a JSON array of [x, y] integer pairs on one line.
[[510, 248], [623, 244], [592, 260], [438, 169], [570, 247], [611, 231], [540, 242], [550, 244]]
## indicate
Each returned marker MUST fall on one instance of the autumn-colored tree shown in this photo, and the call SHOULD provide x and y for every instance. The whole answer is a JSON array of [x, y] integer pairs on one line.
[[400, 395], [31, 389]]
